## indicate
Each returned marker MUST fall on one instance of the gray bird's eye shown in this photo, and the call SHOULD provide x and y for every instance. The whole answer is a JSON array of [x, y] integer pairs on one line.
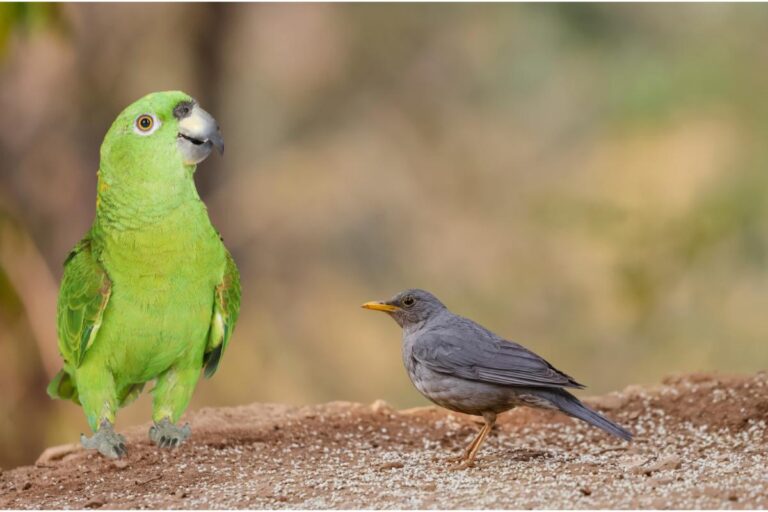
[[408, 301]]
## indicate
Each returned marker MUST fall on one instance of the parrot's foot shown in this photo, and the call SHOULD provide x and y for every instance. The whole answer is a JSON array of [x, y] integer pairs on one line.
[[108, 442], [167, 435]]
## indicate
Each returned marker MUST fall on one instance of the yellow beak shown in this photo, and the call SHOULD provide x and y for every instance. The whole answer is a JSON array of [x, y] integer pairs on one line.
[[380, 306]]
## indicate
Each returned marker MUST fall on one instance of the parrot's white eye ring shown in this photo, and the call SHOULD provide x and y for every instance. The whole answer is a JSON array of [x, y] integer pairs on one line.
[[146, 124]]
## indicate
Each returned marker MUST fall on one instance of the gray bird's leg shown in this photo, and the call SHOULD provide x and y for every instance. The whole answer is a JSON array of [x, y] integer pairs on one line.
[[106, 441], [468, 459], [465, 454]]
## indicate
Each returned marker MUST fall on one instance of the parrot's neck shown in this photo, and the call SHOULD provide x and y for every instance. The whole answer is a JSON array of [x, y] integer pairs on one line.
[[128, 201]]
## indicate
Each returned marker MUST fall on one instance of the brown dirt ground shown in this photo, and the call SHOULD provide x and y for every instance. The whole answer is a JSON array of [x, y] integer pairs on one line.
[[701, 442]]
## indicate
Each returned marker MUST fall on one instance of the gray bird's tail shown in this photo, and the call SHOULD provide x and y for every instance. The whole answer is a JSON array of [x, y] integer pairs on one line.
[[571, 406]]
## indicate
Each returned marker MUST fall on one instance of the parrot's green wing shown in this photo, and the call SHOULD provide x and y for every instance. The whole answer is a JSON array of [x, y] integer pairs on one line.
[[85, 291], [226, 307]]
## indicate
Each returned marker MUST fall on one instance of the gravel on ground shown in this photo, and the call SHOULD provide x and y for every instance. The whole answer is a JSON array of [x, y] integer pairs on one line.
[[701, 442]]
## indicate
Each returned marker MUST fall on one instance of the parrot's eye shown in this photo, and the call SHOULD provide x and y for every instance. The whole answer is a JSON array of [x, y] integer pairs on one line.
[[408, 301], [146, 124]]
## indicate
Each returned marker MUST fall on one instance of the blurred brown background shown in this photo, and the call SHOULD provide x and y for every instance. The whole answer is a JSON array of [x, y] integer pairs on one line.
[[589, 180]]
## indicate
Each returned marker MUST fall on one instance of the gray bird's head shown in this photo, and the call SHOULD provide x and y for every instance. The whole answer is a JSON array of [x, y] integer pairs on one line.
[[409, 307]]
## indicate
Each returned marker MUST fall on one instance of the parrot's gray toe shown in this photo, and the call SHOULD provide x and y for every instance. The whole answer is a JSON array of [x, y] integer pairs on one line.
[[167, 435], [108, 442]]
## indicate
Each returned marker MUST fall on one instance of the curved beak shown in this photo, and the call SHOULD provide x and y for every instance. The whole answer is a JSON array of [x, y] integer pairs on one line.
[[380, 306], [198, 134]]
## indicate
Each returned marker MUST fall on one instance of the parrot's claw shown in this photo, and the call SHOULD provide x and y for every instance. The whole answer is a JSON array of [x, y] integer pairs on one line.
[[167, 435], [108, 442]]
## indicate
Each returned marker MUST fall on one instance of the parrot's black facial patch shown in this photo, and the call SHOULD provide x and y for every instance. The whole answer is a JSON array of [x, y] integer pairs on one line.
[[183, 109]]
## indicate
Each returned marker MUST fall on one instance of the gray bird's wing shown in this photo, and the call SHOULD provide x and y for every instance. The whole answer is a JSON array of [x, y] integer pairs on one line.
[[460, 347]]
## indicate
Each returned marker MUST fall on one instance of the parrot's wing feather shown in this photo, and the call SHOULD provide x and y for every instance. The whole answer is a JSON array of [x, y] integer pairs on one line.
[[467, 350], [84, 295], [226, 307]]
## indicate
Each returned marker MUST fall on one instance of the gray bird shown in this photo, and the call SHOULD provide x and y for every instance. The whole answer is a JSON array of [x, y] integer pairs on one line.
[[464, 367]]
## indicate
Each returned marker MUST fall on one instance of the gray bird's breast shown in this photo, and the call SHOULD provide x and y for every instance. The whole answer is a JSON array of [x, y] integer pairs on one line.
[[457, 394]]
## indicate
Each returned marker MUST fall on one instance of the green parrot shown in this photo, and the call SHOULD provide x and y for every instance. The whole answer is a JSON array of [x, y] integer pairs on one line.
[[150, 292]]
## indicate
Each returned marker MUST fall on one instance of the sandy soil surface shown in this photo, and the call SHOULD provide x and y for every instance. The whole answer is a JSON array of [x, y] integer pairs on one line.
[[701, 443]]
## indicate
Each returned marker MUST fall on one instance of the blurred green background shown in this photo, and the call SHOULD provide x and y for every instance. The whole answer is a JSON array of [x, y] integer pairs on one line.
[[590, 180]]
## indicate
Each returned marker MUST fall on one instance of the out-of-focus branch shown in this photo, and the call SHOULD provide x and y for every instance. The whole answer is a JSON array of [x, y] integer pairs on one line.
[[29, 275]]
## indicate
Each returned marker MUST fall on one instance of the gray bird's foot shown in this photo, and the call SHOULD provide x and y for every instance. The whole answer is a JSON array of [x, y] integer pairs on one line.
[[457, 458], [463, 464], [167, 435], [108, 442]]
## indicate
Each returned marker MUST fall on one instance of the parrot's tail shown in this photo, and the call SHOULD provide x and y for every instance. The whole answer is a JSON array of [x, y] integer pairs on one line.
[[63, 387], [572, 406]]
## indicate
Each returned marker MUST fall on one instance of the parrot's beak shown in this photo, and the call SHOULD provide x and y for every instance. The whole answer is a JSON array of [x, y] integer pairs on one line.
[[198, 134]]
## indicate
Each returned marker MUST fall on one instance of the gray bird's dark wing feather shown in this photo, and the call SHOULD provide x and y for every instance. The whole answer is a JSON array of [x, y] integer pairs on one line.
[[463, 348]]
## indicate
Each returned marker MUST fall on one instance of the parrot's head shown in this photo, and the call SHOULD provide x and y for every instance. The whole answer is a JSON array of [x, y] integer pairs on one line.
[[160, 132]]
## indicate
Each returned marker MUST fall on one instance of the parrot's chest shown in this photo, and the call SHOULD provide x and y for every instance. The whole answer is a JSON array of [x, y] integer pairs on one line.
[[162, 265], [172, 282], [163, 286]]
